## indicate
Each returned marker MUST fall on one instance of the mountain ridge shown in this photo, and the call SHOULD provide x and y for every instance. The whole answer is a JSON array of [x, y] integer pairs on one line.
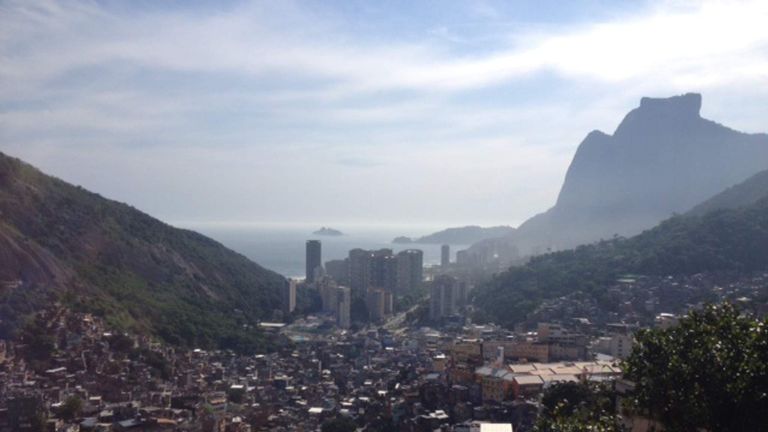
[[663, 159], [458, 235], [725, 240], [63, 243], [743, 194]]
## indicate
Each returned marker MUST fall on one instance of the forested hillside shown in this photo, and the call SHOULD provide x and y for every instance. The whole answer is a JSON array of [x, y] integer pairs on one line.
[[59, 242], [722, 240]]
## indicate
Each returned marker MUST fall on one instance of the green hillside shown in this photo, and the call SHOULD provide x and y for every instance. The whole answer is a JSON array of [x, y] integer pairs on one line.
[[60, 242], [721, 240], [743, 194]]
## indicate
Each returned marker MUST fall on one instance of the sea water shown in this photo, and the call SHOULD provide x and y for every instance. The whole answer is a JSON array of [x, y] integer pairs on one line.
[[282, 249]]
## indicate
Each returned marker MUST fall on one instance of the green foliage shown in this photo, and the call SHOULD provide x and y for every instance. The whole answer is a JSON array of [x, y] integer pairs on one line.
[[721, 241], [339, 424], [160, 366], [381, 424], [573, 395], [39, 341], [71, 408], [236, 395], [137, 272], [577, 407], [580, 421], [120, 342], [38, 423], [17, 305], [710, 372]]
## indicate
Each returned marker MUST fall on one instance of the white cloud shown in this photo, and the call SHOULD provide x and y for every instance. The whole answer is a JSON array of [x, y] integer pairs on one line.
[[706, 41], [274, 98]]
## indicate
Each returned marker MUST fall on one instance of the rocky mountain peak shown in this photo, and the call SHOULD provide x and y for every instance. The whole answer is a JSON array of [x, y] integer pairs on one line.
[[688, 104], [664, 158], [659, 115]]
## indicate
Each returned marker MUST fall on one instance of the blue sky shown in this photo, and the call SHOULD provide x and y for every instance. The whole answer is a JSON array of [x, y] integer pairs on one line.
[[422, 113]]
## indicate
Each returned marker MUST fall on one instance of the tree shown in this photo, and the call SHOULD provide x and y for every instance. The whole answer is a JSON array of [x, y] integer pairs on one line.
[[40, 343], [236, 395], [710, 372], [71, 408], [339, 424], [121, 342], [578, 407]]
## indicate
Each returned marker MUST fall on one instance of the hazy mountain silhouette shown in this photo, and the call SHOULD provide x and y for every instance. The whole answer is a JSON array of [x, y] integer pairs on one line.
[[459, 235], [664, 158]]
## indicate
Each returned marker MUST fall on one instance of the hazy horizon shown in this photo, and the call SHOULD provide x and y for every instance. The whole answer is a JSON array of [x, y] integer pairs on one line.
[[357, 227], [423, 114]]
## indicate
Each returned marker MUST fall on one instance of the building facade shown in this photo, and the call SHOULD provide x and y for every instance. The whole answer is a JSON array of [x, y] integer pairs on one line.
[[338, 270], [442, 299], [343, 307], [313, 259], [410, 271], [445, 256], [359, 272], [289, 297], [379, 303]]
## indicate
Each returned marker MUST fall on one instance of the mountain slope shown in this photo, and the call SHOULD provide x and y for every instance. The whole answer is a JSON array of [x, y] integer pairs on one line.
[[729, 240], [464, 235], [743, 194], [60, 242], [663, 159]]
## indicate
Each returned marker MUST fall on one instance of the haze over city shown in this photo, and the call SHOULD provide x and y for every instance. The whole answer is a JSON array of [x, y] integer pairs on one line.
[[427, 113]]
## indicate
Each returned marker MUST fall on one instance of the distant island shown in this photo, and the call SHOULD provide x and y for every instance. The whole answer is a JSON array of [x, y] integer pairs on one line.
[[325, 231], [458, 236]]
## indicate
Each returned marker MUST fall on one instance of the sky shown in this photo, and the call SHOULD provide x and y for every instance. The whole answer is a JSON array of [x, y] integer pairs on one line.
[[342, 113]]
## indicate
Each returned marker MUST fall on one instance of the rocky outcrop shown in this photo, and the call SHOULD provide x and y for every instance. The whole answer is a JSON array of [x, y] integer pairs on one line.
[[664, 158]]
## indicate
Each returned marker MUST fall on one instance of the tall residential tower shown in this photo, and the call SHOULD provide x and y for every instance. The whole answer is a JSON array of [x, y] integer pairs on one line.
[[314, 259], [442, 297], [410, 271], [445, 256]]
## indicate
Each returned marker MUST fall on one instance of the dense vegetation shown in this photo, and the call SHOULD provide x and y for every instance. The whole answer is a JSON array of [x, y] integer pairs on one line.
[[730, 240], [708, 373], [60, 242], [339, 424], [578, 407]]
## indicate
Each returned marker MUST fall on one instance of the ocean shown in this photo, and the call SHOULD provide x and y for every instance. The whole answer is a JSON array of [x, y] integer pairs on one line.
[[281, 249]]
